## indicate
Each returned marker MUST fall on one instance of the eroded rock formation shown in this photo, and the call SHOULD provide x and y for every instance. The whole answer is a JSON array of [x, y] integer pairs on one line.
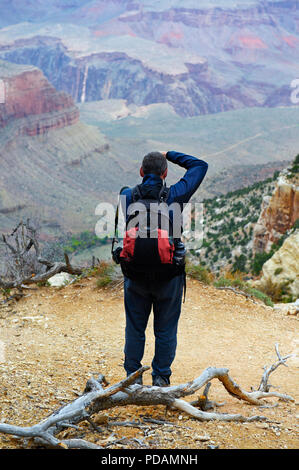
[[282, 268], [30, 102], [279, 212]]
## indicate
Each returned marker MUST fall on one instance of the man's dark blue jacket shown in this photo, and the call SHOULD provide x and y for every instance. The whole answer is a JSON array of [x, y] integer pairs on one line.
[[182, 191]]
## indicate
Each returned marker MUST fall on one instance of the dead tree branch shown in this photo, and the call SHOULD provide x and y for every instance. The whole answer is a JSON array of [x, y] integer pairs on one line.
[[239, 292], [96, 398], [25, 265], [53, 268], [264, 386], [203, 402]]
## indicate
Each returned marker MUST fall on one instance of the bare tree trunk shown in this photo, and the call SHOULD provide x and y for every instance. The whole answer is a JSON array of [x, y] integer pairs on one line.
[[25, 263]]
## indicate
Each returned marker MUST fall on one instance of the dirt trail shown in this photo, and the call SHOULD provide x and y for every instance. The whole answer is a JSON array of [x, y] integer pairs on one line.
[[52, 341]]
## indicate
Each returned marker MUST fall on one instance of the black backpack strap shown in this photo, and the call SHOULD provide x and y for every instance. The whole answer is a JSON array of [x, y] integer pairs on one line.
[[163, 194], [136, 193], [185, 285]]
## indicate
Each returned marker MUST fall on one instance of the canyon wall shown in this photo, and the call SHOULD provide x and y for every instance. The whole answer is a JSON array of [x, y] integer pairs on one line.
[[30, 102], [279, 213], [200, 58]]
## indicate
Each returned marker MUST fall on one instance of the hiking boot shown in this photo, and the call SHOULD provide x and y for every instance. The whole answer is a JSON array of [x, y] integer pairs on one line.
[[161, 381], [138, 381]]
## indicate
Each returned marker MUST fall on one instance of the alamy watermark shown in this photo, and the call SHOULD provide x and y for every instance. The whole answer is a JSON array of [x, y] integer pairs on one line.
[[178, 219], [295, 93]]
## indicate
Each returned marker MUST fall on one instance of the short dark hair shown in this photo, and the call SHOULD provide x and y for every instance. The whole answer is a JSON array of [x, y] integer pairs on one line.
[[154, 162]]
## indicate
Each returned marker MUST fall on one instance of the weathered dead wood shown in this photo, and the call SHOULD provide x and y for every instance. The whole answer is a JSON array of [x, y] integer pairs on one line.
[[16, 296], [96, 398], [25, 269], [264, 386], [53, 268], [239, 292], [203, 402], [20, 259]]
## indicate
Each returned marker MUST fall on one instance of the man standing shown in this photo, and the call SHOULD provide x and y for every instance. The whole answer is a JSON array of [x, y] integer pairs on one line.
[[164, 295]]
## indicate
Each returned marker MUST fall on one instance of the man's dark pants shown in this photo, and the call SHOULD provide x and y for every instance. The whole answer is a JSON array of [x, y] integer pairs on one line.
[[166, 299]]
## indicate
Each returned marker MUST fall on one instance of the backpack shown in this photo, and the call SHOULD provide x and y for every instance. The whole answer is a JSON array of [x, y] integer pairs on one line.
[[149, 249]]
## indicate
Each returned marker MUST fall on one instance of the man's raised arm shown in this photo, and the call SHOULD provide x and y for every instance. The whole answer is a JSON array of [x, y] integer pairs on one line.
[[189, 183]]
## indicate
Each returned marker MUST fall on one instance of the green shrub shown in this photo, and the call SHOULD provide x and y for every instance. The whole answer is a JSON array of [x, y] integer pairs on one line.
[[296, 225], [5, 292], [104, 281], [83, 241], [238, 283], [258, 262], [44, 283], [230, 282], [105, 274], [240, 263], [278, 271], [288, 299], [222, 282], [275, 291], [295, 166], [260, 295], [199, 272]]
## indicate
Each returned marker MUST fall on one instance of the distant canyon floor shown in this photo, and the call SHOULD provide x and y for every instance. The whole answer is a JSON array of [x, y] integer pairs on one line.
[[53, 340]]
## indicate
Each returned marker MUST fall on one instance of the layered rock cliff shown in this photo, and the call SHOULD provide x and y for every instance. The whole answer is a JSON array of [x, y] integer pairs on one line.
[[122, 73], [30, 103], [50, 162], [279, 213], [200, 57]]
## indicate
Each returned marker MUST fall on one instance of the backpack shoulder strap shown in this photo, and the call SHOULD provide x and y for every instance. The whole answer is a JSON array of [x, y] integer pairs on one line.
[[163, 194], [136, 193]]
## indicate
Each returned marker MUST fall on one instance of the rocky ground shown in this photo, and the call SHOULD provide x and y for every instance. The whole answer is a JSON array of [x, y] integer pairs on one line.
[[53, 340]]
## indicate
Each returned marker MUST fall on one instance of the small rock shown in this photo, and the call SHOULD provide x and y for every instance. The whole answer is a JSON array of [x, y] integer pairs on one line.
[[60, 279], [262, 425], [202, 438], [101, 419]]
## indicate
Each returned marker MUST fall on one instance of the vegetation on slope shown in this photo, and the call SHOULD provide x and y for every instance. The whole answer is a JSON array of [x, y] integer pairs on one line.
[[229, 221], [226, 256]]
